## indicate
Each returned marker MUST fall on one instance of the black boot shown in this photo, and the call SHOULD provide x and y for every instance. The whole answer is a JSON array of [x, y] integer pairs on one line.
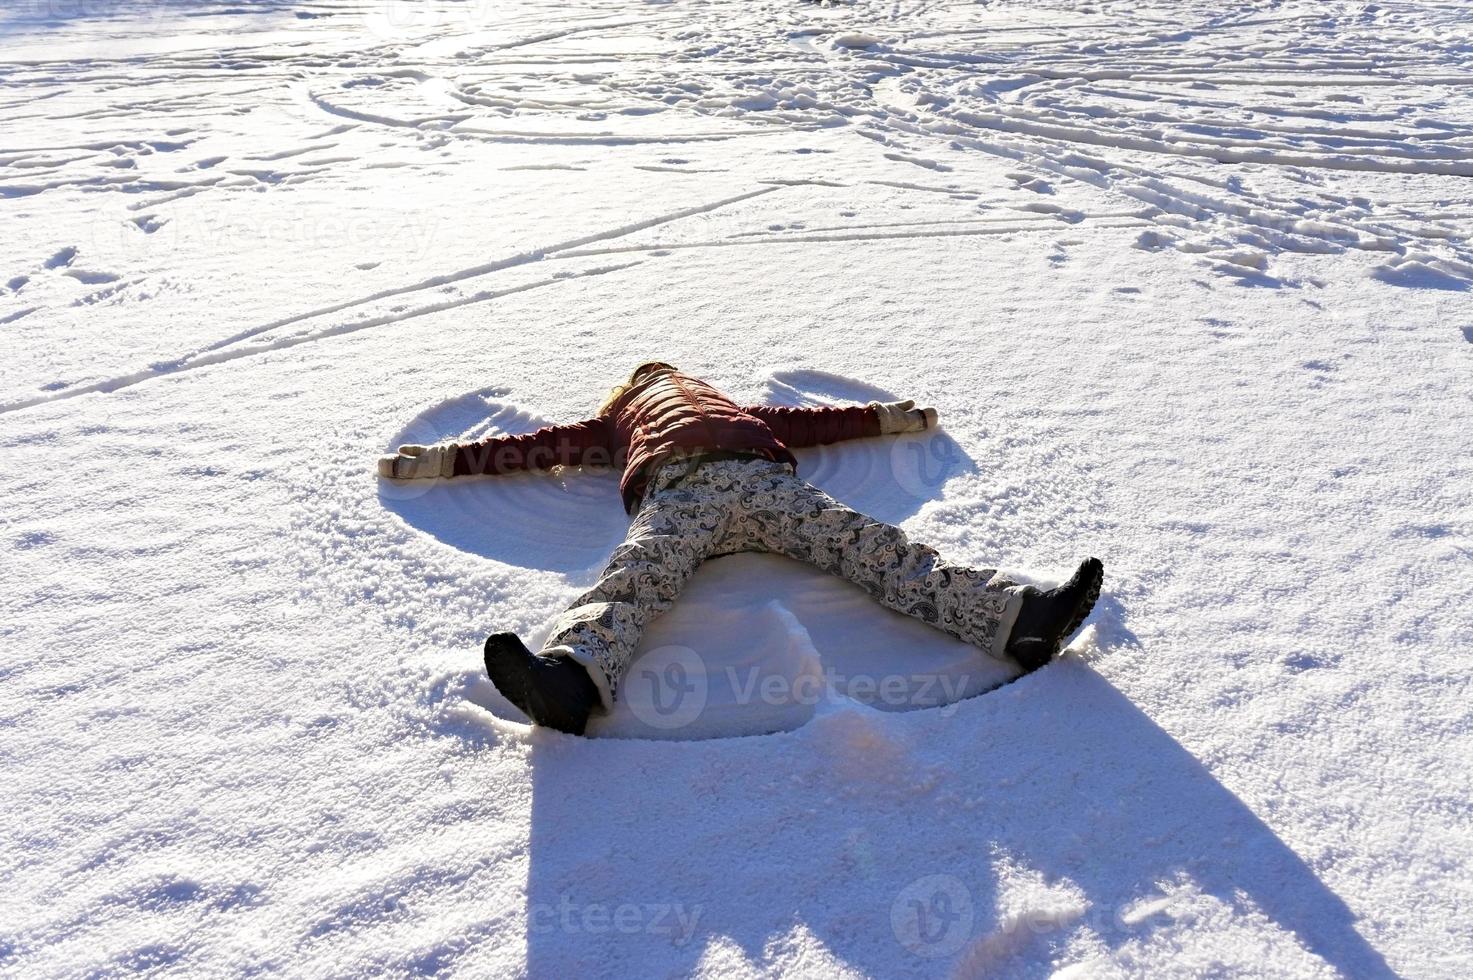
[[1048, 620], [553, 691]]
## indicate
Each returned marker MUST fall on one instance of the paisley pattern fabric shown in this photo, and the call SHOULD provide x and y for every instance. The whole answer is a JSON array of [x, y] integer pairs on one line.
[[696, 509]]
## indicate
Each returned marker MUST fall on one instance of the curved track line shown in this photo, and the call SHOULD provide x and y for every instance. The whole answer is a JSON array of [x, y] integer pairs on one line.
[[195, 362]]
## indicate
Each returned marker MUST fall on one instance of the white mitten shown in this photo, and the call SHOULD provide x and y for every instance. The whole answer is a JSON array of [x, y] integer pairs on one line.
[[903, 416], [419, 462]]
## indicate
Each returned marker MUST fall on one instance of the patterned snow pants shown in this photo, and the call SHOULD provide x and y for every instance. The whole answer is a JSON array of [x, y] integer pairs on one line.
[[695, 509]]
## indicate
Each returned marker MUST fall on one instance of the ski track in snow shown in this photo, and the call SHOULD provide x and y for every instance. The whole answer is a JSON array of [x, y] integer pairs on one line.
[[1189, 281], [1139, 105]]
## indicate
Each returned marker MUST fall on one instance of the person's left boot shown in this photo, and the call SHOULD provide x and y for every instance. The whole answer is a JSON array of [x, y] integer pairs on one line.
[[1048, 620], [555, 692]]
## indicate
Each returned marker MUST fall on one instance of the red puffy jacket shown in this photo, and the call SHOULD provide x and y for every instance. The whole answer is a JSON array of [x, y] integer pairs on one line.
[[661, 414]]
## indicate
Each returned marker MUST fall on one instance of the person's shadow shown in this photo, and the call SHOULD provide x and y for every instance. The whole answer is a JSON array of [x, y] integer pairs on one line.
[[882, 840]]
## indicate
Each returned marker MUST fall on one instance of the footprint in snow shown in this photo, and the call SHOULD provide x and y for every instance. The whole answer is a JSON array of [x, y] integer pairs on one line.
[[91, 278], [1028, 182], [62, 258]]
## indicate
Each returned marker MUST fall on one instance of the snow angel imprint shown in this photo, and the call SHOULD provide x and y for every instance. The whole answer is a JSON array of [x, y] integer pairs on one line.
[[702, 477]]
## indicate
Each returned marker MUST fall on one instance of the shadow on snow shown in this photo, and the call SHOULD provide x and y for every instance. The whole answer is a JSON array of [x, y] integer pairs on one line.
[[748, 843]]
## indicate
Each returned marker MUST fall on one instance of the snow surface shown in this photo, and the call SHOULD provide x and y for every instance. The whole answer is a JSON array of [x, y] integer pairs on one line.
[[1188, 282]]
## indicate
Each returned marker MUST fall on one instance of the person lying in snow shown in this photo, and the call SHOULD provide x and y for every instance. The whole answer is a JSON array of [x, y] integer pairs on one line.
[[704, 477]]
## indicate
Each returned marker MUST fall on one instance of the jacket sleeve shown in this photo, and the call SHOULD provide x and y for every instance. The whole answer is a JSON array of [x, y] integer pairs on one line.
[[588, 443], [799, 427]]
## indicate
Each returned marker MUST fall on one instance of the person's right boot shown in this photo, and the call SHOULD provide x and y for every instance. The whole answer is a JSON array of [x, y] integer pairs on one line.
[[555, 692], [1048, 620]]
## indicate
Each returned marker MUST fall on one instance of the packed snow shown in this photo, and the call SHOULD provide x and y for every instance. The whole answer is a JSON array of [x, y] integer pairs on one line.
[[1187, 281]]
